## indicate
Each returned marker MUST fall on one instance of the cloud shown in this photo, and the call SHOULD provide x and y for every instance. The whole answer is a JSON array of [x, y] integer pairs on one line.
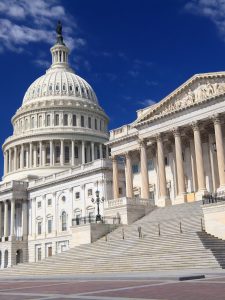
[[147, 102], [23, 22], [212, 9], [42, 63]]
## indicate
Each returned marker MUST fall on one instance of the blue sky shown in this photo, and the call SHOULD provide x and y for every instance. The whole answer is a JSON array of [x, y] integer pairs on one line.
[[133, 53]]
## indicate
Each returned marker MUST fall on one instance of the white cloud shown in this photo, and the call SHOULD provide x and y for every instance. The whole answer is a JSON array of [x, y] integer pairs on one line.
[[147, 102], [24, 21], [212, 9]]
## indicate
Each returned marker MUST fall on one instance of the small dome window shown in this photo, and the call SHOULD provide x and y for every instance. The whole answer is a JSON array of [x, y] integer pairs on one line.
[[71, 87], [77, 89], [64, 87], [82, 90], [50, 87], [87, 92], [57, 87]]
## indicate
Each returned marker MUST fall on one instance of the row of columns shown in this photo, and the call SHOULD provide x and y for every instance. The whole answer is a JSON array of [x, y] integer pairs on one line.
[[29, 155], [201, 184], [4, 206]]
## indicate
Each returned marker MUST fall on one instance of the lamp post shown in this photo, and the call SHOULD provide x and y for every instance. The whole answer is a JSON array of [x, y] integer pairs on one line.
[[98, 200]]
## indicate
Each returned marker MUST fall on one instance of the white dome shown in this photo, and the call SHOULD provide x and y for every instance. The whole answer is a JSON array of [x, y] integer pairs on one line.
[[57, 83]]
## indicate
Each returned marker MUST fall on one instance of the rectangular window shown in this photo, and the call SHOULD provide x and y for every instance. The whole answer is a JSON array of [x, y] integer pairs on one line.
[[96, 125], [89, 192], [135, 169], [39, 204], [120, 191], [57, 154], [39, 228], [76, 152], [57, 120], [49, 202], [49, 226], [47, 155], [82, 121], [39, 254], [89, 122], [74, 120], [67, 154], [48, 120], [77, 195]]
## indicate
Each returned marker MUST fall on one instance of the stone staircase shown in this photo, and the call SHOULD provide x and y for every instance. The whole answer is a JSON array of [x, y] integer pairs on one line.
[[172, 239]]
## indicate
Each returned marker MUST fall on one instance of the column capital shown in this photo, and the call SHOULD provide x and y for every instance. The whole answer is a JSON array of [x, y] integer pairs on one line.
[[195, 126], [158, 136], [142, 143], [114, 157], [175, 131], [216, 119]]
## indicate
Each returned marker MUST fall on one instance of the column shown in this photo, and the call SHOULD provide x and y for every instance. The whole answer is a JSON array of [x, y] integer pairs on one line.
[[31, 156], [22, 156], [6, 223], [193, 166], [62, 152], [92, 151], [0, 221], [83, 152], [179, 166], [27, 157], [12, 217], [213, 162], [10, 160], [161, 171], [144, 171], [44, 154], [24, 218], [115, 178], [51, 152], [199, 160], [101, 151], [107, 151], [15, 158], [35, 156], [129, 176], [72, 153], [219, 150], [5, 163], [40, 154]]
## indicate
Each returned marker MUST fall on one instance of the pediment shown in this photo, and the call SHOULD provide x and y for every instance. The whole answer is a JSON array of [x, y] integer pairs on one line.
[[197, 89]]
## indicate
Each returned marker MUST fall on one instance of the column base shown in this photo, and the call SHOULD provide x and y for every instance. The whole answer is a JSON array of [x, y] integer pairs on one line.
[[180, 199]]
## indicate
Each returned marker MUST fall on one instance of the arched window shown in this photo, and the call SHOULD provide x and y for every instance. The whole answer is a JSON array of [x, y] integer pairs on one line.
[[74, 120], [56, 120], [82, 121], [26, 124], [64, 222], [48, 120], [65, 120], [32, 122], [39, 121], [64, 87], [67, 154]]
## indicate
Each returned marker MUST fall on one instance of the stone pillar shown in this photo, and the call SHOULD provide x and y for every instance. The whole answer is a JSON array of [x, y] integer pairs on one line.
[[44, 154], [27, 157], [35, 156], [107, 151], [10, 160], [12, 217], [115, 178], [6, 223], [40, 154], [129, 176], [51, 152], [31, 156], [144, 171], [161, 172], [92, 151], [83, 152], [193, 166], [181, 197], [0, 221], [24, 218], [62, 152], [101, 151], [15, 158], [219, 151], [213, 163], [72, 153], [5, 162], [199, 162]]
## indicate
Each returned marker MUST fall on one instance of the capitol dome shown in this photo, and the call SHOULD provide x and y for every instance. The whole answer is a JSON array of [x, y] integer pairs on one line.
[[59, 125]]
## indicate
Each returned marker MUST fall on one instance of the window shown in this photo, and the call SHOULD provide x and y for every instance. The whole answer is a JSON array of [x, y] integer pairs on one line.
[[77, 195], [64, 87], [48, 120], [39, 254], [57, 87], [64, 225], [39, 204], [77, 89], [152, 195], [39, 228], [49, 226], [89, 192], [96, 125], [65, 120], [89, 122], [74, 120], [49, 202], [57, 120], [150, 164], [47, 155], [120, 191], [50, 87], [135, 169], [67, 154], [57, 154], [39, 121], [26, 124], [82, 121], [71, 88], [166, 161], [100, 124], [32, 122], [76, 152], [63, 198]]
